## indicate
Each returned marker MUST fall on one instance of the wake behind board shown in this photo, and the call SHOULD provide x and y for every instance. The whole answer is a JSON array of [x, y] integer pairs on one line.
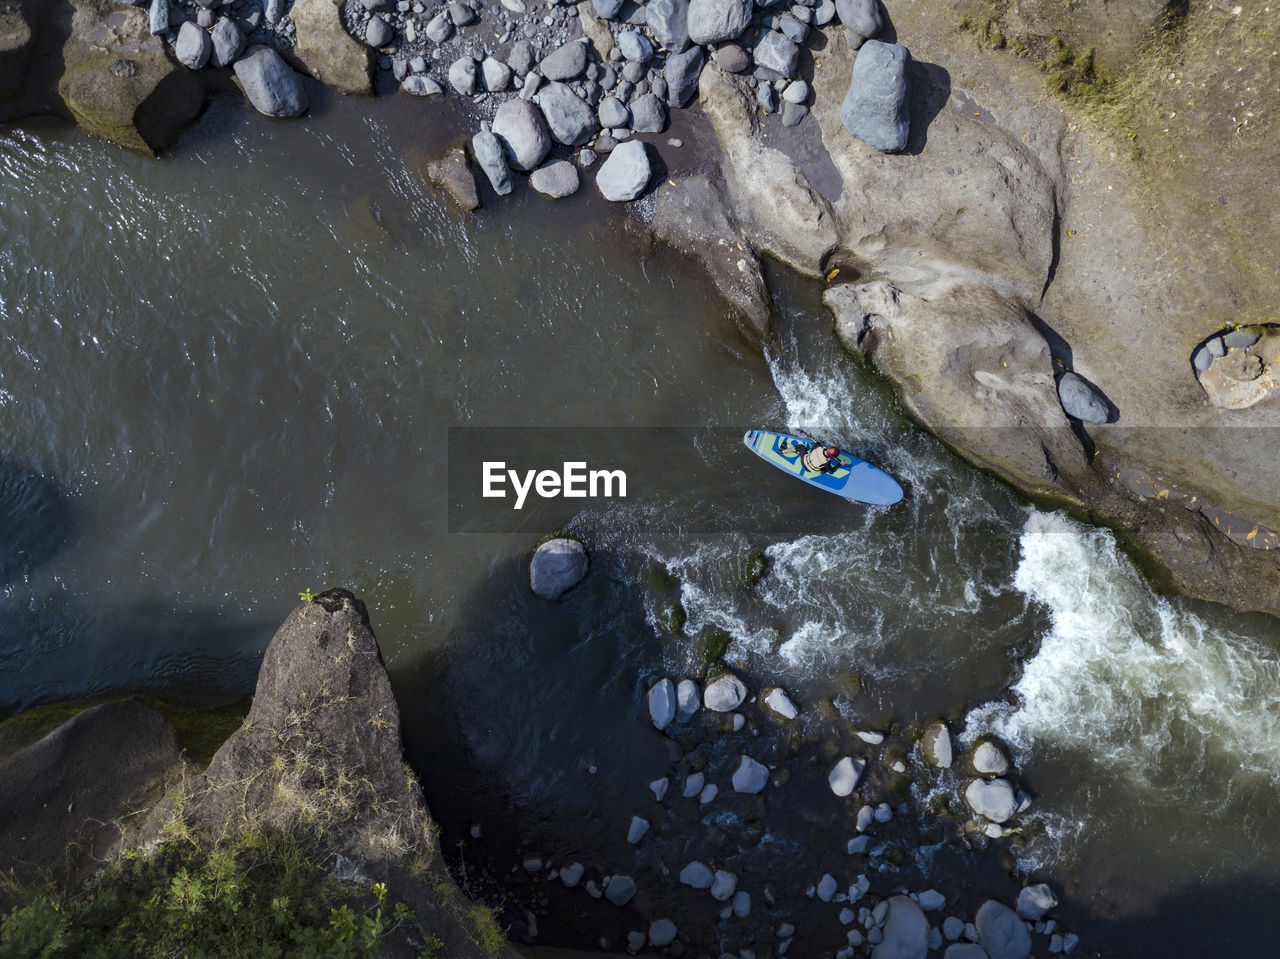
[[853, 479]]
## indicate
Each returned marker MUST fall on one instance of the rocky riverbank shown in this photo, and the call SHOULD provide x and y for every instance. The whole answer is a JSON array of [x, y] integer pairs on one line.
[[968, 226]]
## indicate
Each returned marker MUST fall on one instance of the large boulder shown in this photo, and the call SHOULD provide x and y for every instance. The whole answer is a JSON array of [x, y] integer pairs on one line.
[[558, 565], [989, 759], [117, 80], [724, 694], [626, 173], [994, 799], [269, 83], [936, 744], [326, 51], [1035, 901], [711, 21], [227, 43], [556, 180], [192, 48], [875, 110], [1001, 932], [905, 931], [451, 172], [565, 62], [520, 126], [487, 149], [569, 118], [682, 71], [668, 21]]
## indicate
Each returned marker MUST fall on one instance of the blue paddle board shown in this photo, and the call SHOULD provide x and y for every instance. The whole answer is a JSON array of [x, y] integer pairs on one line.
[[852, 479]]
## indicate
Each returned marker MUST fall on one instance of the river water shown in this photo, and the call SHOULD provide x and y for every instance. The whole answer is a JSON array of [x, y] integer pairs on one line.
[[230, 374]]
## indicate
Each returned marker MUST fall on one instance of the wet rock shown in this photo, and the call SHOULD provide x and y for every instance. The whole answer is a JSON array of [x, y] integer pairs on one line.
[[1034, 902], [566, 62], [861, 18], [710, 21], [226, 43], [1001, 933], [662, 703], [723, 886], [844, 776], [709, 792], [965, 950], [883, 813], [451, 173], [726, 692], [497, 77], [871, 736], [931, 900], [557, 566], [377, 32], [269, 84], [571, 874], [989, 759], [992, 800], [688, 698], [875, 108], [780, 54], [936, 744], [662, 932], [742, 904], [621, 890], [858, 845], [698, 875], [569, 118], [533, 865], [635, 46], [192, 47], [778, 701], [420, 86], [750, 776], [693, 785], [1081, 400], [668, 21], [682, 72], [556, 180], [520, 126], [659, 788], [648, 115], [635, 940], [462, 76], [952, 928], [866, 816], [905, 933], [636, 831], [827, 886]]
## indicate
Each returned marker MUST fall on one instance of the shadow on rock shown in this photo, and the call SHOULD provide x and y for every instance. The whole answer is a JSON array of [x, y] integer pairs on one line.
[[930, 90]]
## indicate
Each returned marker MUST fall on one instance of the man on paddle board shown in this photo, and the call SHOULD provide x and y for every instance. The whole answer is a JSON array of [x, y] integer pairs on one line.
[[818, 459]]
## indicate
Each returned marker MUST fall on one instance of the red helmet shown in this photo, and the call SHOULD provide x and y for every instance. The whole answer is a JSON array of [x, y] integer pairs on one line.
[[831, 452]]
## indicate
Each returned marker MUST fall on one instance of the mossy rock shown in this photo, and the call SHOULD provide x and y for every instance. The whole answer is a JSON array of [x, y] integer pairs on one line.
[[714, 643], [658, 579], [672, 617], [750, 569], [141, 101]]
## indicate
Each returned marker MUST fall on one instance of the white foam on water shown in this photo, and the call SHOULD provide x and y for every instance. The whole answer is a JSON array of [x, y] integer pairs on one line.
[[1131, 679]]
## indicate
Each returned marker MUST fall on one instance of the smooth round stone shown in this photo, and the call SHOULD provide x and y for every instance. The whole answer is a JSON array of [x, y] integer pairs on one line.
[[778, 700], [725, 693], [931, 900], [688, 698], [693, 785], [827, 886], [636, 831], [556, 180], [698, 875], [378, 32], [662, 932], [635, 46], [571, 874], [989, 760], [621, 890], [992, 800], [723, 886], [750, 776], [558, 564], [797, 91], [844, 776]]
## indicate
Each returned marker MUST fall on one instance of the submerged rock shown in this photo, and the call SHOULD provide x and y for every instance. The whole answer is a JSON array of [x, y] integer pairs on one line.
[[452, 174], [558, 565], [875, 108], [269, 84], [1034, 902]]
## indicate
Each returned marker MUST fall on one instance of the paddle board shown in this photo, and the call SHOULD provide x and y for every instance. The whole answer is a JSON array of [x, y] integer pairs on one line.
[[852, 479]]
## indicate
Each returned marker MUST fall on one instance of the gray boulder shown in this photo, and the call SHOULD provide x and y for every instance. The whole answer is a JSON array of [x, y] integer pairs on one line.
[[613, 113], [497, 75], [377, 32], [698, 875], [662, 699], [844, 775], [648, 115], [421, 86], [192, 47], [989, 759], [440, 28], [569, 118], [778, 53], [626, 173], [1082, 400], [682, 72], [662, 932], [521, 59], [606, 9], [711, 21], [669, 23], [1001, 933], [992, 800], [621, 890], [227, 41], [726, 692], [491, 158], [635, 46], [1034, 902], [875, 108], [269, 84], [861, 18], [565, 63], [750, 776], [521, 128], [905, 932], [558, 565], [462, 76]]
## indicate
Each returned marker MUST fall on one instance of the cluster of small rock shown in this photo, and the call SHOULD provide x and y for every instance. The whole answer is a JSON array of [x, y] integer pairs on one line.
[[1237, 368]]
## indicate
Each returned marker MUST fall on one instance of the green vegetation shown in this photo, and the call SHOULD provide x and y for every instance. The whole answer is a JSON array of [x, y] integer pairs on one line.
[[253, 895], [306, 595]]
